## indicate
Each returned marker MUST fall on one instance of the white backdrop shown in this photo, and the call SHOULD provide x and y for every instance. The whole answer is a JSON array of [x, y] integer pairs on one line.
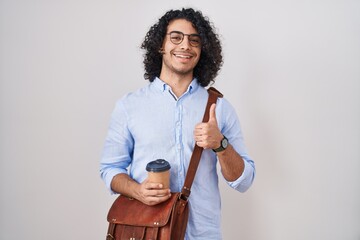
[[292, 71]]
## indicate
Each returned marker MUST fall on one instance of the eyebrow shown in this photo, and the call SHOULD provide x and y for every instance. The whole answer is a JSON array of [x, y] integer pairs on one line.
[[193, 34]]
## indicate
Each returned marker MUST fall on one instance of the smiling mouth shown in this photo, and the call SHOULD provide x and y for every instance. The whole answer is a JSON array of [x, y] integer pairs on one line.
[[183, 56]]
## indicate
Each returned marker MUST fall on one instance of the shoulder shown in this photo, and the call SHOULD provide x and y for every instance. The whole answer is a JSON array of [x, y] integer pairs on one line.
[[225, 112], [224, 104], [134, 97]]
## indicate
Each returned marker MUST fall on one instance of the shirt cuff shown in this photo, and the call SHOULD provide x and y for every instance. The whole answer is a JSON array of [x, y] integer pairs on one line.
[[245, 180], [109, 177]]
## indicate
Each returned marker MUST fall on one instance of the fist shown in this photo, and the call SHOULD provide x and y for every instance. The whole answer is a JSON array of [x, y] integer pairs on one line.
[[207, 134], [153, 193]]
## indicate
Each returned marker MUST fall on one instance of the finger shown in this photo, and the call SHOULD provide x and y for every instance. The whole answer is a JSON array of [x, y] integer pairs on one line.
[[157, 200], [201, 144], [159, 193], [151, 185], [200, 126], [198, 132], [212, 113], [165, 197]]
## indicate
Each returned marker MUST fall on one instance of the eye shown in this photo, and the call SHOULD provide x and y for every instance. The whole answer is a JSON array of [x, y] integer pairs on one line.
[[176, 37], [195, 39]]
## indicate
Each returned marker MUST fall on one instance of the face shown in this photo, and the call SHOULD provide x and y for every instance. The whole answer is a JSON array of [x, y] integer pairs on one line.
[[181, 58]]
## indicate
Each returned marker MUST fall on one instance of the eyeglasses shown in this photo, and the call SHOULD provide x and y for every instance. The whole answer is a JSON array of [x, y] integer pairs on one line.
[[177, 37]]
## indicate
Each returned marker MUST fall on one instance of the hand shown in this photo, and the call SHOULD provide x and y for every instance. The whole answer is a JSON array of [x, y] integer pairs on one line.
[[208, 135], [153, 193]]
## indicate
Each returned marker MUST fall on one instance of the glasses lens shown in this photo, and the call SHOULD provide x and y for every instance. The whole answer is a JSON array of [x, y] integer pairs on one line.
[[176, 37], [194, 40]]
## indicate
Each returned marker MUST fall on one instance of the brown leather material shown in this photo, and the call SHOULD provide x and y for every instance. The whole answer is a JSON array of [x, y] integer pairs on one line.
[[130, 219], [138, 214], [214, 94]]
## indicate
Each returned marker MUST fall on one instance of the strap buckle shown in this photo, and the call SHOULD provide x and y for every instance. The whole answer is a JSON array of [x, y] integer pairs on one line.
[[109, 237], [185, 193]]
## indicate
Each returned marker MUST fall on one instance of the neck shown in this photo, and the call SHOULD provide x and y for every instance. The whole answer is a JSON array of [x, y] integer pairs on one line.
[[178, 84]]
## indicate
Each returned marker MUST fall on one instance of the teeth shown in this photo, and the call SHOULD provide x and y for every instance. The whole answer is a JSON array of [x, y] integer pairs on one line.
[[182, 56]]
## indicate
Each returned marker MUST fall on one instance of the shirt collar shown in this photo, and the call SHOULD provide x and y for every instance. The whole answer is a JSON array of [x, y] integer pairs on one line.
[[162, 86]]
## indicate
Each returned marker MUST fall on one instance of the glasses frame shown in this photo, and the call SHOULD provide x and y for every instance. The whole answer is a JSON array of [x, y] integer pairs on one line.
[[183, 36]]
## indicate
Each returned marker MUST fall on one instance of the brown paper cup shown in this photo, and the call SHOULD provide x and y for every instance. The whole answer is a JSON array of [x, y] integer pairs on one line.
[[159, 172]]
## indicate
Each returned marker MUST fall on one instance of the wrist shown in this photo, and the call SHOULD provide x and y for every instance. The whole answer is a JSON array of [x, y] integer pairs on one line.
[[223, 145]]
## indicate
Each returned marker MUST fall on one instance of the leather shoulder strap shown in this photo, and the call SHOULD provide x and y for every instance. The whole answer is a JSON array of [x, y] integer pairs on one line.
[[214, 94]]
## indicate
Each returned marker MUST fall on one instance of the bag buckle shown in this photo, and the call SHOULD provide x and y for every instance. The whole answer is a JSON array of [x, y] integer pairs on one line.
[[185, 193], [109, 237]]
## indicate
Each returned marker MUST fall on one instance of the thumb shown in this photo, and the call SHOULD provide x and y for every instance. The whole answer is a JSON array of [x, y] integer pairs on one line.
[[212, 113]]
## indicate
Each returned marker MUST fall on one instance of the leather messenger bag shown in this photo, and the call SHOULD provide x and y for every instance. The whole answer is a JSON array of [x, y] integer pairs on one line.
[[131, 219]]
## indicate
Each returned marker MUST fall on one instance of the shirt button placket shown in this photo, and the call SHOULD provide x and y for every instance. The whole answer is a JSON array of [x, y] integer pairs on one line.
[[178, 127]]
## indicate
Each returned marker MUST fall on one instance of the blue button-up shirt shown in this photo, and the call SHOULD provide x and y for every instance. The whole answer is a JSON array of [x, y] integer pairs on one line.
[[152, 123]]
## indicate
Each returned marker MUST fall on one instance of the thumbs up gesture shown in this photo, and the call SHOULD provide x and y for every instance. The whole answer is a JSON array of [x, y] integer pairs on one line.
[[207, 134]]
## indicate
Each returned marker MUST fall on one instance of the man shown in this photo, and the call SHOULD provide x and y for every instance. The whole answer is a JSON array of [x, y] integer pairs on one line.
[[163, 121]]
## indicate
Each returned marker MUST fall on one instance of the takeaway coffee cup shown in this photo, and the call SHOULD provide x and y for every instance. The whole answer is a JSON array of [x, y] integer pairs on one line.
[[159, 172]]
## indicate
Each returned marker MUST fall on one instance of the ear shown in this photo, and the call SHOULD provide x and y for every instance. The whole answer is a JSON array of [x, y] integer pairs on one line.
[[161, 51]]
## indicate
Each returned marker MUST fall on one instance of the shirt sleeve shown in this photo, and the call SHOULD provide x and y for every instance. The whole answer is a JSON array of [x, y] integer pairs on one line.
[[230, 127], [118, 147]]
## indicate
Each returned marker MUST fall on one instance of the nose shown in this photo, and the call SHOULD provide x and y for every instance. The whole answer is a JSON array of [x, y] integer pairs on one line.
[[185, 44]]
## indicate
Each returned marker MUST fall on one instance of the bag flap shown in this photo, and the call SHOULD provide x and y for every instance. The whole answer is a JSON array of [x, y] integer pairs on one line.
[[130, 211]]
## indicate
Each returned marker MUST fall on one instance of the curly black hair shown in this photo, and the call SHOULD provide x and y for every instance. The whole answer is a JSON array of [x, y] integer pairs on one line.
[[210, 60]]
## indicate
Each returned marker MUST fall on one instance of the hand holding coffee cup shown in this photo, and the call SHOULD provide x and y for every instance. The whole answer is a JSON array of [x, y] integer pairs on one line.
[[159, 172]]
